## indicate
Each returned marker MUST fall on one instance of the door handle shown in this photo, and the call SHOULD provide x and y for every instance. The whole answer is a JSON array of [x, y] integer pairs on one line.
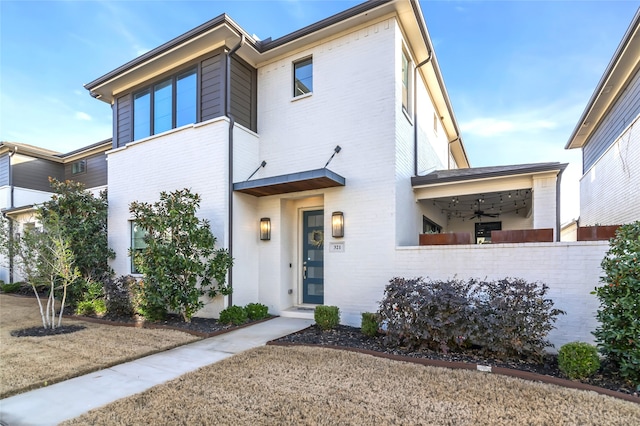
[[304, 270]]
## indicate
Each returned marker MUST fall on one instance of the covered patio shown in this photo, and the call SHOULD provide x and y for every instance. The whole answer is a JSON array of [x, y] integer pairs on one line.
[[515, 203]]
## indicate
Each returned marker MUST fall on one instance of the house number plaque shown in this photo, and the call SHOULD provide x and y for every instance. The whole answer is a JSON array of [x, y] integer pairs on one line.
[[336, 247]]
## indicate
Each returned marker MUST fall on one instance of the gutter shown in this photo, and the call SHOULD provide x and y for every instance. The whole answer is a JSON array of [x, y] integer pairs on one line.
[[232, 123], [415, 110], [11, 206], [436, 71]]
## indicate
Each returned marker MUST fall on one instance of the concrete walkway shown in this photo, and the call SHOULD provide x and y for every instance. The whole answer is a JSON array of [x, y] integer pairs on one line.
[[66, 400]]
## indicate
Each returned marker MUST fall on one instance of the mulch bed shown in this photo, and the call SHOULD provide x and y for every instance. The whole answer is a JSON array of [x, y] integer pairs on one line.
[[41, 331], [202, 327]]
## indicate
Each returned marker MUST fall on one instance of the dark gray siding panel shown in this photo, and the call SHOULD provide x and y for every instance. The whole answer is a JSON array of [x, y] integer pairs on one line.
[[95, 172], [623, 112], [212, 87], [123, 115], [33, 173], [243, 93], [4, 170]]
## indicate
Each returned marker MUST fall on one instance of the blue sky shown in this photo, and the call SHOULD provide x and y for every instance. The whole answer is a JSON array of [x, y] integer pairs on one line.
[[519, 73]]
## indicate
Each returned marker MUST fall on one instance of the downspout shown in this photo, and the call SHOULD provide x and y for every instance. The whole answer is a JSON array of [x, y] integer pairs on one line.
[[232, 123], [415, 112], [12, 205], [558, 180]]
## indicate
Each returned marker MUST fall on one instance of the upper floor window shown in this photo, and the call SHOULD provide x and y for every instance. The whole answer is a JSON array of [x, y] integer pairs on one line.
[[78, 167], [166, 105], [302, 77], [406, 82]]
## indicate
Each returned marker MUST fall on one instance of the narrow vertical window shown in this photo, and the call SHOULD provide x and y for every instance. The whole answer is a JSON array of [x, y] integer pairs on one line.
[[186, 98], [162, 107], [406, 82], [142, 114], [137, 244], [302, 77]]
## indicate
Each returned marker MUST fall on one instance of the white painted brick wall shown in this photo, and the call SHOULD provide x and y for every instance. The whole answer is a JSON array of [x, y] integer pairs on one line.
[[610, 190], [571, 270], [192, 157]]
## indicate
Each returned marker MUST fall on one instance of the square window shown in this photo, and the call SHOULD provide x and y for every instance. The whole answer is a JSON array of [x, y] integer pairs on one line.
[[78, 167], [302, 77]]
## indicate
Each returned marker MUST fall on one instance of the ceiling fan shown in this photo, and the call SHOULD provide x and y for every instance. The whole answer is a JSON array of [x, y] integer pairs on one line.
[[480, 214]]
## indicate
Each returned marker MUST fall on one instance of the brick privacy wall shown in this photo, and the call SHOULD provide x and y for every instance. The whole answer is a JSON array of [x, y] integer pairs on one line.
[[610, 189], [571, 270]]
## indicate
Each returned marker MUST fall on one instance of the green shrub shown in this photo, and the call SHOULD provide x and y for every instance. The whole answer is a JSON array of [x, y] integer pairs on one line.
[[234, 315], [327, 317], [369, 325], [91, 307], [578, 360], [256, 311], [508, 318], [147, 303], [10, 287], [618, 336]]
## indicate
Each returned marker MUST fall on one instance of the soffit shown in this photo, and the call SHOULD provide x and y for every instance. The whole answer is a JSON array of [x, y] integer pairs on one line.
[[293, 182], [167, 57], [621, 69]]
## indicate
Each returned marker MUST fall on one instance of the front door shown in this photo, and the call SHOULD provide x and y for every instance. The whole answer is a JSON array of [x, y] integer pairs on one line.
[[313, 257]]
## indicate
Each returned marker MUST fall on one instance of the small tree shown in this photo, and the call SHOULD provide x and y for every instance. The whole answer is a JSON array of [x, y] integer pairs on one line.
[[82, 220], [180, 262], [45, 259], [618, 335]]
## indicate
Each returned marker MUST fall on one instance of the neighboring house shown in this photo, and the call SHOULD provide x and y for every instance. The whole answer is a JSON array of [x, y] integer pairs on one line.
[[24, 180], [608, 133], [308, 152]]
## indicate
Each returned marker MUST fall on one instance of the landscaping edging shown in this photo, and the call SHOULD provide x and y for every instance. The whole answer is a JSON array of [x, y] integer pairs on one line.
[[509, 372], [150, 325]]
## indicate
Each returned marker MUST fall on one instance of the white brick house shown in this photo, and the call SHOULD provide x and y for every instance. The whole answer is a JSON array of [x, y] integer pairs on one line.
[[608, 133], [349, 115]]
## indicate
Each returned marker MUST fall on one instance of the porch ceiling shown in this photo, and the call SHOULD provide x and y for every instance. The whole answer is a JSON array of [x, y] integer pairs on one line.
[[293, 182], [485, 206]]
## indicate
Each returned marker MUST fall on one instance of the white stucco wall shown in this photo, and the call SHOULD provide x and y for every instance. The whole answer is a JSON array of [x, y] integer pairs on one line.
[[610, 189]]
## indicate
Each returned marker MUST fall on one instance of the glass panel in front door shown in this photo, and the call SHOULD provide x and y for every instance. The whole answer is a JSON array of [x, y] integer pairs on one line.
[[313, 257]]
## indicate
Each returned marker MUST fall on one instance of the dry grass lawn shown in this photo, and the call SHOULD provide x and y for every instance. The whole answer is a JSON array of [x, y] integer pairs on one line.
[[31, 362], [315, 386]]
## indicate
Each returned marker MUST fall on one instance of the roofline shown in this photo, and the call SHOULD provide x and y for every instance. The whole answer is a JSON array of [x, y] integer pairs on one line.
[[45, 154], [436, 69], [94, 146], [163, 48], [417, 181], [605, 77], [18, 210], [356, 10]]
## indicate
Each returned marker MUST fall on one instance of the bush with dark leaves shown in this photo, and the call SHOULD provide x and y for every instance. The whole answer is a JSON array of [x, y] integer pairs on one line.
[[118, 295], [509, 318]]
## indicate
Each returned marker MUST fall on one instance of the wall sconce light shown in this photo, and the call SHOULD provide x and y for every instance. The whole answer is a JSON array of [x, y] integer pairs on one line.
[[337, 224], [265, 229]]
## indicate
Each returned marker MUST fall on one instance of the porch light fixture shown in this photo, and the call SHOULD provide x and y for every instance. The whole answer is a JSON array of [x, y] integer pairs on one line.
[[265, 229], [337, 224]]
